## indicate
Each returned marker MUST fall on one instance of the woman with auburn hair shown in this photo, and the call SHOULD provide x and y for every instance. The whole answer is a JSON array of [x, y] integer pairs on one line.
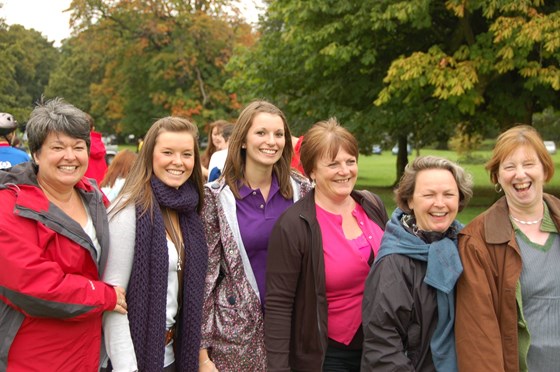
[[116, 173], [320, 253], [256, 187], [508, 298]]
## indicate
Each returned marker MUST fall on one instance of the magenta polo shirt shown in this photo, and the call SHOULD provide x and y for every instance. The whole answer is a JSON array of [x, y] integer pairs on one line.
[[256, 217], [346, 269]]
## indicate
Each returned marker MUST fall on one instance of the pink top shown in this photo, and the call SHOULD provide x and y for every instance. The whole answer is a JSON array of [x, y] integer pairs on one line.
[[346, 269]]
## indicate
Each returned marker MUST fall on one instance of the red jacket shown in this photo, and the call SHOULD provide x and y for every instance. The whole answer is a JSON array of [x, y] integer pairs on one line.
[[97, 166], [51, 299]]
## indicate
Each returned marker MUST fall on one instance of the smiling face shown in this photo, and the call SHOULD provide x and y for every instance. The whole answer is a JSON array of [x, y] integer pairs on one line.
[[435, 201], [173, 158], [335, 178], [62, 161], [522, 177], [265, 140]]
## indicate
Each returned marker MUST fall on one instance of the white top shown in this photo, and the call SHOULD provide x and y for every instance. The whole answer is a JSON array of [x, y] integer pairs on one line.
[[118, 342], [89, 229], [111, 192], [217, 160]]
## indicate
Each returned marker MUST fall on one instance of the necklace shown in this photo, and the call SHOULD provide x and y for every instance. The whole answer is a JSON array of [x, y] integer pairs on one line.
[[178, 243], [526, 222]]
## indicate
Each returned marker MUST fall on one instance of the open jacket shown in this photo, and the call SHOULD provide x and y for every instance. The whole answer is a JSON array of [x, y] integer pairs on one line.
[[486, 330], [296, 334], [232, 323], [51, 298]]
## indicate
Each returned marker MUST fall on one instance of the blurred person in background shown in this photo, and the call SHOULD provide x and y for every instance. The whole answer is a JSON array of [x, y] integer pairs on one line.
[[218, 158], [409, 301], [320, 253], [159, 254], [116, 173], [97, 164], [216, 142], [508, 298], [53, 234], [256, 187], [9, 154]]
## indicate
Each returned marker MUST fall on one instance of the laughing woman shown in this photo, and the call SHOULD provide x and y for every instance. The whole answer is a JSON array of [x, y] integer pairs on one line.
[[159, 254], [241, 208], [511, 258], [409, 299]]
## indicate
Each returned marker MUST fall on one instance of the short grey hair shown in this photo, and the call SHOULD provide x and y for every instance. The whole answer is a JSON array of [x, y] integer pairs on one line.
[[407, 183], [56, 116]]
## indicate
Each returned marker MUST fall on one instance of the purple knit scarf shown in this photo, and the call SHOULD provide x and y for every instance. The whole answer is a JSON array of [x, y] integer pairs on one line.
[[147, 290]]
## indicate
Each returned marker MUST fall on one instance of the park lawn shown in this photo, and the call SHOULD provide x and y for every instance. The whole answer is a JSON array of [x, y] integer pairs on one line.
[[378, 173]]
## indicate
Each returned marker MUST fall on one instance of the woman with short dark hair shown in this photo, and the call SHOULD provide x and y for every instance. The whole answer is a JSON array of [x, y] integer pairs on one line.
[[53, 234]]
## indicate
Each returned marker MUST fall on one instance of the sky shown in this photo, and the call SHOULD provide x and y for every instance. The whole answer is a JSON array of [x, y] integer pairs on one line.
[[48, 16], [45, 16]]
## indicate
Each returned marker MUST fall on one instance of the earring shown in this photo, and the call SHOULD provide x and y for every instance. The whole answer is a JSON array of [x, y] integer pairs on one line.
[[243, 146], [498, 188], [313, 184]]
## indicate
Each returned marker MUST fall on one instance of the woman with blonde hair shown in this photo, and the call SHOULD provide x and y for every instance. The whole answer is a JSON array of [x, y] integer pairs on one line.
[[159, 254]]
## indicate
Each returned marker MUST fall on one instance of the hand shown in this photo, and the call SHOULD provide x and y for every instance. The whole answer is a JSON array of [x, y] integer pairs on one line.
[[121, 306], [207, 366], [204, 362]]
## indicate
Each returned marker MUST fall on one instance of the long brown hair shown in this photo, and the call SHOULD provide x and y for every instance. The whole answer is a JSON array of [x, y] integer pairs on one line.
[[234, 168], [137, 186], [119, 167]]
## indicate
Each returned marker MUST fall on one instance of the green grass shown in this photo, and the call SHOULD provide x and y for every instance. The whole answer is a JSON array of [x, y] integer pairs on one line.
[[378, 173]]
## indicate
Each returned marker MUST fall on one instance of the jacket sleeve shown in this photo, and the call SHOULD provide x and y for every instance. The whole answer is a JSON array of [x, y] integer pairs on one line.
[[36, 284], [116, 330], [386, 311], [283, 270], [211, 223], [477, 331]]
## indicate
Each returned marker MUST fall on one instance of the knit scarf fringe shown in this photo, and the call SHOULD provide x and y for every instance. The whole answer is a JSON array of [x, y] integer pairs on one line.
[[147, 290]]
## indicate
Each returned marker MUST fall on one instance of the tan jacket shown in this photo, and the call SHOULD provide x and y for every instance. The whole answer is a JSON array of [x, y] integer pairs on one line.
[[486, 321]]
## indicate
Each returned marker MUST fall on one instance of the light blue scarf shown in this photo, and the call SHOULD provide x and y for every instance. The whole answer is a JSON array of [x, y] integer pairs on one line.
[[443, 269]]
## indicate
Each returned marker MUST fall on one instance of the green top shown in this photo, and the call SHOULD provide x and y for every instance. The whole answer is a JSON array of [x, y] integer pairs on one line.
[[523, 335]]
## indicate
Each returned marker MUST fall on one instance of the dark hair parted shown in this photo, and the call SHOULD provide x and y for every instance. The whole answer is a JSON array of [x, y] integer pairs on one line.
[[511, 140], [407, 183], [234, 168], [326, 137], [119, 167], [55, 116], [137, 186]]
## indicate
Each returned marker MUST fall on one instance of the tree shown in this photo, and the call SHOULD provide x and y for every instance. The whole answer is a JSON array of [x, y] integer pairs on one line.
[[146, 59], [27, 59], [410, 66]]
